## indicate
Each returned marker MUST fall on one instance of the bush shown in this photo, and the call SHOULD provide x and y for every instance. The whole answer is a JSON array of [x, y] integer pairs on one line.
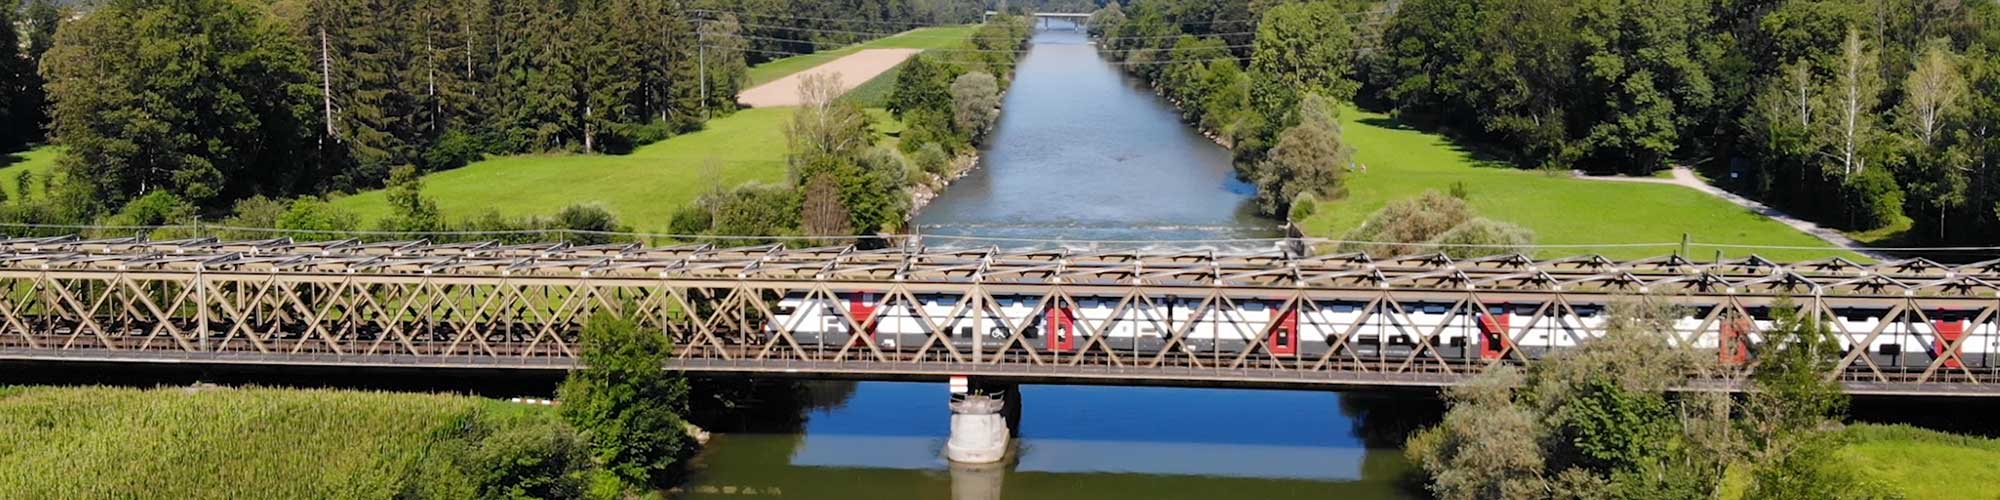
[[691, 219], [1502, 237], [1302, 207], [932, 158], [316, 219], [754, 210], [1401, 227], [1878, 200], [452, 150], [627, 403], [534, 458], [593, 219]]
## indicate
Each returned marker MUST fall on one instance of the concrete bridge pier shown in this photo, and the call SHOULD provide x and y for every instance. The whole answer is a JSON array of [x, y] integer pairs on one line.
[[977, 481], [983, 424]]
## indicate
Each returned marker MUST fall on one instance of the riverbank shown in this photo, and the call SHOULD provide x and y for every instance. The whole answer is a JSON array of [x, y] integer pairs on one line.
[[216, 442], [645, 187]]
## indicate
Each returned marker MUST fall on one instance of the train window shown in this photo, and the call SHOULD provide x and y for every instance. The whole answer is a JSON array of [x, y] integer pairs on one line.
[[1891, 350], [1458, 341], [965, 331], [1399, 340], [1433, 309], [786, 310], [1149, 330], [1368, 340], [1033, 332]]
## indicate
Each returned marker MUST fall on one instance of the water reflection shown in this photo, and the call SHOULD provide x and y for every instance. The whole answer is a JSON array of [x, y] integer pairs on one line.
[[886, 441], [1081, 153]]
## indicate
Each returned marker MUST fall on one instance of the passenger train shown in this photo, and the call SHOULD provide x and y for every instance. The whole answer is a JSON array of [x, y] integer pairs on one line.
[[1311, 331]]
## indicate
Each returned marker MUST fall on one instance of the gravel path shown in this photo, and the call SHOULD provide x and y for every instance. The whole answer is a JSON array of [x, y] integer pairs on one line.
[[854, 70], [1686, 178]]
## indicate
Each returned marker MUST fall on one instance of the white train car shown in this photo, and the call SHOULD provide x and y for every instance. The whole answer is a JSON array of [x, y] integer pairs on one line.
[[1147, 327]]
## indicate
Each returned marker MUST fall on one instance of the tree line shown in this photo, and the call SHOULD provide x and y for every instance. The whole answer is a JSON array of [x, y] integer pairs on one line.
[[1263, 78], [1859, 114], [843, 178], [218, 101]]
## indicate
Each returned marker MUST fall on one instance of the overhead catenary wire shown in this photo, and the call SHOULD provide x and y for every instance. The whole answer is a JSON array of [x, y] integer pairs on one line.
[[638, 234]]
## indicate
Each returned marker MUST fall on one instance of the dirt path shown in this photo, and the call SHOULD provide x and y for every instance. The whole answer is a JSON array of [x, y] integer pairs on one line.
[[1686, 178], [854, 70]]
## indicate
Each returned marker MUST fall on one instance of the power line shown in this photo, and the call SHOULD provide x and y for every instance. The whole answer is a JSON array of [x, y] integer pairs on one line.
[[1676, 244], [825, 19]]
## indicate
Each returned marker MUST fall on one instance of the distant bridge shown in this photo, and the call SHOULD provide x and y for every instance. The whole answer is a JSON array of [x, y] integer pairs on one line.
[[1266, 319]]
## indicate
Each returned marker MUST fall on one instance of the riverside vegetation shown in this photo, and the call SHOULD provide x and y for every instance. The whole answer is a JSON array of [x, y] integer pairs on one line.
[[617, 433]]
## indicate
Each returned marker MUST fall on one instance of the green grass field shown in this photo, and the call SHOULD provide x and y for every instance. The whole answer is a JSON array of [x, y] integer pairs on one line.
[[93, 442], [936, 37], [643, 188], [1921, 463], [1402, 162], [41, 161]]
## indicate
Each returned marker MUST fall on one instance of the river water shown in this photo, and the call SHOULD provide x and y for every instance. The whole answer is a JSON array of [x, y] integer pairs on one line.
[[1081, 153]]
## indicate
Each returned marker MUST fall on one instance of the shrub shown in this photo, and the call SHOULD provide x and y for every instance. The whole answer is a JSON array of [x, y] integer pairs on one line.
[[691, 219], [313, 218], [1493, 237], [1878, 200], [1401, 227], [1302, 207], [452, 150], [533, 458], [932, 158], [592, 219]]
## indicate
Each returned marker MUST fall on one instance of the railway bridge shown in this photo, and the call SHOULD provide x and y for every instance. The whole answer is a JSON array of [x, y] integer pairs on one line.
[[991, 317], [1257, 319]]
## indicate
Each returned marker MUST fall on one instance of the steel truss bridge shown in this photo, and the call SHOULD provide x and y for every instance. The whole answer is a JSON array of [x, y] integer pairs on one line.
[[487, 305]]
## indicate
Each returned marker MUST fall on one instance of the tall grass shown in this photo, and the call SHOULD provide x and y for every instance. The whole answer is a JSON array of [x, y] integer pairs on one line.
[[244, 443]]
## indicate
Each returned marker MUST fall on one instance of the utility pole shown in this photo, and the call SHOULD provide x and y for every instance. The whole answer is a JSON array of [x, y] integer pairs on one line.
[[701, 60]]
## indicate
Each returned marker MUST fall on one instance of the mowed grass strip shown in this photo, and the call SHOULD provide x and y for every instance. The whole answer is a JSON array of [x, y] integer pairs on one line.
[[1920, 463], [935, 37], [40, 161], [1402, 162], [643, 188], [95, 442]]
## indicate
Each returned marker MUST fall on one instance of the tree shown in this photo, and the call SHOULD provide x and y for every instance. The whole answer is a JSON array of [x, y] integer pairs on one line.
[[1401, 227], [1594, 421], [200, 100], [1645, 78], [975, 103], [1310, 158], [625, 402], [1851, 98], [824, 125], [825, 215], [1932, 93], [1308, 47], [410, 211], [921, 84]]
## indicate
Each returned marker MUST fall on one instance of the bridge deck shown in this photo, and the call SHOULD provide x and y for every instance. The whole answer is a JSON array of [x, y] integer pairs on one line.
[[490, 305]]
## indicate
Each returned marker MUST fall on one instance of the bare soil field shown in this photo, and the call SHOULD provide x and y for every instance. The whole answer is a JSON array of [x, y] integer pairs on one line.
[[854, 70]]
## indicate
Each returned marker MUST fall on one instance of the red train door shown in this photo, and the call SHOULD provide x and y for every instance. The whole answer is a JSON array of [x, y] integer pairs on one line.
[[1733, 349], [1947, 333], [1284, 338], [861, 306], [1062, 329], [1493, 335]]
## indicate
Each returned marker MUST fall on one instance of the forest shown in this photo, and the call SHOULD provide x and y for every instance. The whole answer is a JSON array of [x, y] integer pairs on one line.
[[300, 98], [1861, 115]]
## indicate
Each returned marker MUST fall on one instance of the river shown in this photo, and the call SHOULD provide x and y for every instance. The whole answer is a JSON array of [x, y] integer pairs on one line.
[[1081, 153]]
